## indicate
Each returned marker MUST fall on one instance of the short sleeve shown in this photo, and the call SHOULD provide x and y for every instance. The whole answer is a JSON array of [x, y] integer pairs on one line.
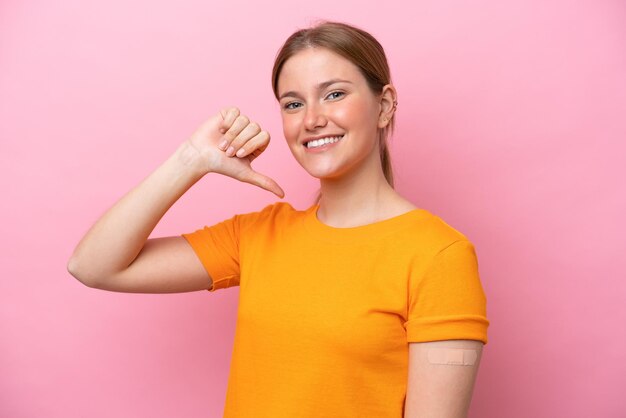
[[218, 247], [447, 300]]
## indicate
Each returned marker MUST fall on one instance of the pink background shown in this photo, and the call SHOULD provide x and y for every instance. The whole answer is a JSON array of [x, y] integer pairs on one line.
[[511, 127]]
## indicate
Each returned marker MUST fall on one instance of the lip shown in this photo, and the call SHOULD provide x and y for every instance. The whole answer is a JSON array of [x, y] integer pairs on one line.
[[322, 148], [312, 138]]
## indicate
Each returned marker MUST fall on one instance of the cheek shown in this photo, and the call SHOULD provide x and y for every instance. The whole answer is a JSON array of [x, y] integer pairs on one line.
[[290, 129], [353, 114]]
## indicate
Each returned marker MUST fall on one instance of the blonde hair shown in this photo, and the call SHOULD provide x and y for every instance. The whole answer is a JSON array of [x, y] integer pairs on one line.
[[360, 48]]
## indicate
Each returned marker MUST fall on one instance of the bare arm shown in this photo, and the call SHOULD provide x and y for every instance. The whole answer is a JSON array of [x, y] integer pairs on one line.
[[116, 254], [112, 244], [441, 378]]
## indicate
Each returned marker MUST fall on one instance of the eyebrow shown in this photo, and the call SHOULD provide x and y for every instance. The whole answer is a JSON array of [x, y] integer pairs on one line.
[[320, 86]]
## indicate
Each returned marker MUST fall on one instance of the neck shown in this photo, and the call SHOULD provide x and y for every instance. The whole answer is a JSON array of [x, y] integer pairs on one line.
[[357, 197]]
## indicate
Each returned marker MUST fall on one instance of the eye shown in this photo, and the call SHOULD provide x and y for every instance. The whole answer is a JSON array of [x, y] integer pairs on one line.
[[335, 92], [289, 104]]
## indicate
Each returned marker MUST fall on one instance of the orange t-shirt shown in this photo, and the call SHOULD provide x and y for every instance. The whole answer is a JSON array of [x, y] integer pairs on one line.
[[325, 314]]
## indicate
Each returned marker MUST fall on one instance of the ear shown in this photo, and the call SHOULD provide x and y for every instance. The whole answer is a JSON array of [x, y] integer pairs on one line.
[[388, 102]]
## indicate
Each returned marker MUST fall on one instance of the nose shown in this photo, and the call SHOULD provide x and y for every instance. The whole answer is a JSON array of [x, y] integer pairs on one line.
[[314, 118]]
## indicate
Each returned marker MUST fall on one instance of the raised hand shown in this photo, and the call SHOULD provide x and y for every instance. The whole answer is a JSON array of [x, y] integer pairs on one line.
[[227, 143]]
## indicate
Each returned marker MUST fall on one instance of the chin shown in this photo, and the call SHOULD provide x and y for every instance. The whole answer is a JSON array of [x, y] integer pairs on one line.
[[323, 173]]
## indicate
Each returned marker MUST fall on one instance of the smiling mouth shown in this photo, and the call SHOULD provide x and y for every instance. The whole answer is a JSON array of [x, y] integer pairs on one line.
[[324, 144]]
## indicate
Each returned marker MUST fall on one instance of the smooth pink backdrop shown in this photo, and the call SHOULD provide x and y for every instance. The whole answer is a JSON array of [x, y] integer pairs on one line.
[[511, 127]]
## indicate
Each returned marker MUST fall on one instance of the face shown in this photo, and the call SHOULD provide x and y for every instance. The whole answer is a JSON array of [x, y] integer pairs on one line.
[[312, 109]]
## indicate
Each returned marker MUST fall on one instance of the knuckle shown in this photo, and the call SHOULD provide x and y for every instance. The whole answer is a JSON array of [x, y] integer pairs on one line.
[[229, 135], [245, 176], [243, 118], [235, 143], [230, 113]]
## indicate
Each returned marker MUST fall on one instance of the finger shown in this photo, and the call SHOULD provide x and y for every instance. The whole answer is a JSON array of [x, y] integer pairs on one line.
[[224, 113], [259, 142], [264, 182], [229, 115], [250, 131], [237, 126]]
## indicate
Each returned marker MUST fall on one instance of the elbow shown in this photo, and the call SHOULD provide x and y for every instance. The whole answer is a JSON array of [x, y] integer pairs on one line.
[[73, 268]]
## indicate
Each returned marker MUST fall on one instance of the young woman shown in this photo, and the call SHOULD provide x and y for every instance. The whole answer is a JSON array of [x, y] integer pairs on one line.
[[361, 305]]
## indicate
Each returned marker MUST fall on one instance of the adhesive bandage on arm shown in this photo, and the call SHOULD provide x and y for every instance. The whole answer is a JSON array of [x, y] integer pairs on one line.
[[452, 356]]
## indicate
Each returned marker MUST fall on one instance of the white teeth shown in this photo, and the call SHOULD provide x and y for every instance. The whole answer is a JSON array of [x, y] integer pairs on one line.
[[322, 141]]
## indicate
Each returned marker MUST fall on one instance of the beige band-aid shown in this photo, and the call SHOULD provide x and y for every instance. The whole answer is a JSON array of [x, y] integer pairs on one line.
[[453, 356]]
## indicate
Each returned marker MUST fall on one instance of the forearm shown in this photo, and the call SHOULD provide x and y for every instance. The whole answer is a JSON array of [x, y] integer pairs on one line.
[[116, 239]]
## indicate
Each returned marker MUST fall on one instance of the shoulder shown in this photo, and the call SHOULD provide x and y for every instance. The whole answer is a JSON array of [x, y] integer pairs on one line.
[[425, 225], [279, 211], [445, 230], [428, 233]]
